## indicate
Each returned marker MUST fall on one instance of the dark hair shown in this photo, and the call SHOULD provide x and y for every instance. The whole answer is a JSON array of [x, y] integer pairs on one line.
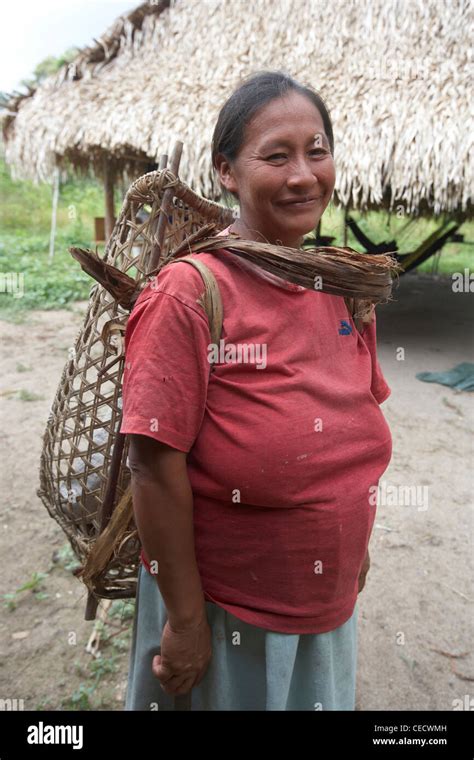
[[252, 94]]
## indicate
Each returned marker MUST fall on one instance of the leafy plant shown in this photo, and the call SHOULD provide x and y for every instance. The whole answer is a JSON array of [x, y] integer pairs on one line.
[[65, 557], [34, 584]]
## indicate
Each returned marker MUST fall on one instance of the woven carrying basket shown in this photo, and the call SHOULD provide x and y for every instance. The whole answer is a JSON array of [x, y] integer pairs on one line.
[[84, 456], [84, 478]]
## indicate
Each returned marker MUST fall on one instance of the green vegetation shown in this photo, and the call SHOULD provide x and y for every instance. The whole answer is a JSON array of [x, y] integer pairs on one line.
[[35, 585], [96, 689], [45, 68], [25, 219], [65, 558], [96, 674], [409, 234]]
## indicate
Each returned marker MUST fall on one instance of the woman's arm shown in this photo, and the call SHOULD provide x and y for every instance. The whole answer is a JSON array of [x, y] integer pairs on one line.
[[163, 507]]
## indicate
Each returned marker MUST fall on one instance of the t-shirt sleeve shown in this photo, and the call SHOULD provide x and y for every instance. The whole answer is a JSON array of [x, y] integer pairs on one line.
[[379, 386], [166, 371]]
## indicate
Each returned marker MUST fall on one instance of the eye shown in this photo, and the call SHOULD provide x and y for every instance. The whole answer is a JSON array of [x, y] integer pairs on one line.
[[316, 151]]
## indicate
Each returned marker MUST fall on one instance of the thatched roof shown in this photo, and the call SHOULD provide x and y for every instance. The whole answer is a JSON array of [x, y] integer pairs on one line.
[[396, 75]]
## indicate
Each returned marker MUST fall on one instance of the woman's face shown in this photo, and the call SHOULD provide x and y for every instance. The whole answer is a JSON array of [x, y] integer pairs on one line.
[[285, 157]]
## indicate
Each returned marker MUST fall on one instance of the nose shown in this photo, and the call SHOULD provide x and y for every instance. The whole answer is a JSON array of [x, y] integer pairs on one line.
[[302, 174]]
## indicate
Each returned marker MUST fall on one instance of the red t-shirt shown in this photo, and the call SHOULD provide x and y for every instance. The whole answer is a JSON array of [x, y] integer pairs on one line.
[[285, 436]]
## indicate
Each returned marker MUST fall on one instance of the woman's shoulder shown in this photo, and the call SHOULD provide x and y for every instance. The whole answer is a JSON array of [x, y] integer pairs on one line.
[[183, 281]]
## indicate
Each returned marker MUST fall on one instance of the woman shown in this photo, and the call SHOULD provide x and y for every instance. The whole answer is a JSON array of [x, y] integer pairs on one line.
[[252, 483]]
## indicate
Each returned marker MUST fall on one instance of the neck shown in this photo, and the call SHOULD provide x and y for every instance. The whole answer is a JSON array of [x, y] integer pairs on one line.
[[249, 233]]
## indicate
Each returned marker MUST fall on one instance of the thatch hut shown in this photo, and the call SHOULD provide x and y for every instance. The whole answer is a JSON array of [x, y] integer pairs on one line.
[[396, 75]]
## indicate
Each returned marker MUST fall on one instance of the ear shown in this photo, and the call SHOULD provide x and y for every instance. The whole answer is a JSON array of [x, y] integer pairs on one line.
[[226, 174]]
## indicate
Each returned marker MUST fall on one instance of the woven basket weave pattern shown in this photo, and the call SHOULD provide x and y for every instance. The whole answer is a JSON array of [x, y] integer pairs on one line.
[[85, 415]]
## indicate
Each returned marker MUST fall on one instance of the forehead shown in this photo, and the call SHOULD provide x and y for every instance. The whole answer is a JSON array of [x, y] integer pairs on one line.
[[290, 117]]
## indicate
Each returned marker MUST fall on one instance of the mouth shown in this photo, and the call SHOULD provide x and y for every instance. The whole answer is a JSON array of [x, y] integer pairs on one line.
[[301, 204]]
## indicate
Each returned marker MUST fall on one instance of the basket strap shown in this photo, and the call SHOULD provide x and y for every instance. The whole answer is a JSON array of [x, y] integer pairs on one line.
[[352, 307], [210, 299]]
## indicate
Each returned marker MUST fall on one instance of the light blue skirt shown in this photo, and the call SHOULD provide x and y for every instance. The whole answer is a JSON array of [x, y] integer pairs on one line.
[[266, 670]]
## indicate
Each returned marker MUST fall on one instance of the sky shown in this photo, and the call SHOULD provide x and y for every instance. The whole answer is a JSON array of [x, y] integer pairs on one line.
[[35, 29]]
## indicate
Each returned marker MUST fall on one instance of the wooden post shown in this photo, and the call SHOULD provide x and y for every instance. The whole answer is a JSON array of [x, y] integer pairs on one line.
[[54, 213], [165, 202], [344, 228], [109, 199]]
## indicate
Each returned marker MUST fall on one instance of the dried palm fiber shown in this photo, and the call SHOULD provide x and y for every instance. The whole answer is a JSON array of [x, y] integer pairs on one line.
[[85, 481]]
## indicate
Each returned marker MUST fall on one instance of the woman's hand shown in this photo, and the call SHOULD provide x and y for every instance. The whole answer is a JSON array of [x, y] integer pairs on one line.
[[364, 571], [185, 656]]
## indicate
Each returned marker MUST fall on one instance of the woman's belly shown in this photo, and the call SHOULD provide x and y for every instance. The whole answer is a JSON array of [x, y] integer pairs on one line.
[[283, 497], [299, 444]]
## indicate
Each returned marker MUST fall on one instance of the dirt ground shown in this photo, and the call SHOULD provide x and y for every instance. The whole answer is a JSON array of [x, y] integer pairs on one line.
[[416, 622]]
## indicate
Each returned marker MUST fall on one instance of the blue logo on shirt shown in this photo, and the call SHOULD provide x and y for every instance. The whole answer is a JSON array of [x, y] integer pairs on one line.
[[345, 328]]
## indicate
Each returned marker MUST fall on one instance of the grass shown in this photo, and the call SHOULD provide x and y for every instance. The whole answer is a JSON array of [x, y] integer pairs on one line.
[[35, 585], [25, 395], [65, 558], [44, 283], [380, 227], [25, 219], [97, 675]]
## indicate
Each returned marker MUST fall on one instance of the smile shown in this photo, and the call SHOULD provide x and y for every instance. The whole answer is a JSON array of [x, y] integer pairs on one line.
[[301, 204]]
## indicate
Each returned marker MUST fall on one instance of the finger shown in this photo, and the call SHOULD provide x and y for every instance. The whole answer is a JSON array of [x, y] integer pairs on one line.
[[161, 671], [176, 681], [187, 686], [179, 691], [166, 676], [178, 686]]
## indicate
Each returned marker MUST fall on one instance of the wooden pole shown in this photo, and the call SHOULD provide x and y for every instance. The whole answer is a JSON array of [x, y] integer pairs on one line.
[[165, 207], [109, 199], [54, 213], [344, 228]]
